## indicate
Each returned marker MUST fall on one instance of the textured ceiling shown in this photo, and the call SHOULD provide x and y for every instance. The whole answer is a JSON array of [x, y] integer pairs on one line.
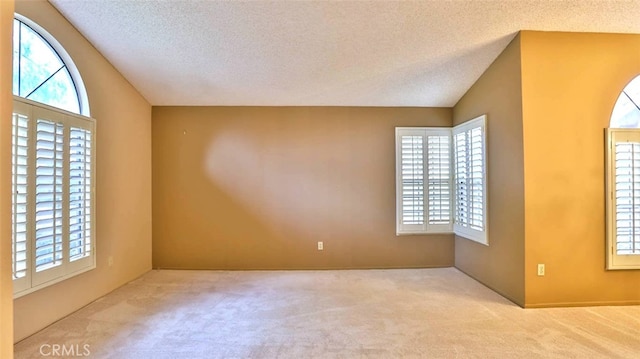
[[295, 53]]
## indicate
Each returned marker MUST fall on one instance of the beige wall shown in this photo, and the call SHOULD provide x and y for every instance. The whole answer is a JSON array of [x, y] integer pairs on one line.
[[258, 187], [6, 105], [570, 83], [123, 181], [497, 93]]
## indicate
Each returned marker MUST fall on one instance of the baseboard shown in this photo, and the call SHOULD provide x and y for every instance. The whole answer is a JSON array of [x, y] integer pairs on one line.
[[582, 304], [300, 268]]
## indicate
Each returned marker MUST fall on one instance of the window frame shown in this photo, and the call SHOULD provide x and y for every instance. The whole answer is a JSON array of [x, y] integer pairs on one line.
[[33, 280], [479, 236], [66, 59], [615, 261], [464, 229], [76, 238], [425, 226]]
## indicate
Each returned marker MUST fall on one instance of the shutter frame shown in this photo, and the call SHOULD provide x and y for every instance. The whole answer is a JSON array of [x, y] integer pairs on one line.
[[470, 180], [613, 139], [66, 121], [425, 224]]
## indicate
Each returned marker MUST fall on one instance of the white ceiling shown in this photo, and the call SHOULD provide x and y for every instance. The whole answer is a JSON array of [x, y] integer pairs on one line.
[[305, 53]]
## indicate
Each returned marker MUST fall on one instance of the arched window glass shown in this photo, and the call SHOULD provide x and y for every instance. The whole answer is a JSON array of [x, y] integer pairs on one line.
[[626, 112], [43, 71]]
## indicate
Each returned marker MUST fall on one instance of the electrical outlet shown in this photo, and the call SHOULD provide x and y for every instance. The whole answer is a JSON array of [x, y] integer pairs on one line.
[[110, 261], [541, 270], [320, 246]]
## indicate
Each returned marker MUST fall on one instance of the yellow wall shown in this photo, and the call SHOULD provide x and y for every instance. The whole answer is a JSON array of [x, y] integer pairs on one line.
[[6, 105], [258, 187], [570, 83], [497, 93], [123, 182]]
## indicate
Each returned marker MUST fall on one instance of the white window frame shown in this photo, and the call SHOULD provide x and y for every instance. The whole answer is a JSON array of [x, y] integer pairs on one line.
[[461, 226], [615, 261], [426, 226], [454, 225], [34, 280], [71, 67]]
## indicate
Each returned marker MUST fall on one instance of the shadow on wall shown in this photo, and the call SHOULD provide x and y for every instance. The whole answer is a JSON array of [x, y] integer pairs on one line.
[[292, 185]]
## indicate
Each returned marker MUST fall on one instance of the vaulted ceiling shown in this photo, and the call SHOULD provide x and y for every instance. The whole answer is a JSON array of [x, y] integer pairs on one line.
[[324, 53]]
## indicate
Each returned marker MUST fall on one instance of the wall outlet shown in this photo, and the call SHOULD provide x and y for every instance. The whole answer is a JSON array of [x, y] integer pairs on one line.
[[541, 270], [320, 246], [110, 260]]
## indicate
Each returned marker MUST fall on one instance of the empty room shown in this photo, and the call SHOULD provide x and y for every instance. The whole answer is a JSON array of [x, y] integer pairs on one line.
[[319, 179]]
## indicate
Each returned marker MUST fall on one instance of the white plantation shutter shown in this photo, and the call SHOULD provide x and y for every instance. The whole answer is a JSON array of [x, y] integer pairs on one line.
[[48, 211], [439, 181], [461, 179], [423, 180], [20, 198], [412, 180], [53, 197], [623, 199], [79, 193], [470, 180]]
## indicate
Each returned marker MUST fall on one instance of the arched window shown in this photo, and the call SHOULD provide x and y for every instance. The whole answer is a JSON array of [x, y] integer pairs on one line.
[[43, 71], [623, 180], [626, 112], [53, 164]]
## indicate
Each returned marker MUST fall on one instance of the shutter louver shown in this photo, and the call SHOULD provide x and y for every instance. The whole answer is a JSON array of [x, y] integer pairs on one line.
[[79, 193], [412, 178], [49, 187], [20, 143]]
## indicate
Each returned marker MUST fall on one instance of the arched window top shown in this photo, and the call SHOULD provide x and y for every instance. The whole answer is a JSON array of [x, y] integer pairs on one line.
[[626, 112], [43, 71]]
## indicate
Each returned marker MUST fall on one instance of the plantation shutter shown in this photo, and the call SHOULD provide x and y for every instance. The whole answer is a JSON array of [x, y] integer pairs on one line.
[[623, 200], [476, 174], [410, 172], [461, 180], [20, 198], [49, 177], [79, 193], [439, 181], [53, 195], [423, 180], [470, 180]]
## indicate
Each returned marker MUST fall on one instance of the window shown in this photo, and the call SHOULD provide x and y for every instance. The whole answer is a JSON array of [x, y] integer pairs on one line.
[[470, 180], [623, 181], [53, 151], [424, 180], [441, 180], [43, 71]]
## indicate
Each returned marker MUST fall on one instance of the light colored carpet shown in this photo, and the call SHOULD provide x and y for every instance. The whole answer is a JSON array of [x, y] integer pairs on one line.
[[406, 313]]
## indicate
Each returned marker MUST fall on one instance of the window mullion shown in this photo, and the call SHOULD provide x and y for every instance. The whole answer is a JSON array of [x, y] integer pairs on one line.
[[65, 196], [31, 198]]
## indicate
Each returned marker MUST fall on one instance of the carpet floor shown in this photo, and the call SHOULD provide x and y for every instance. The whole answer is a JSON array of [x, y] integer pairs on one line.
[[401, 313]]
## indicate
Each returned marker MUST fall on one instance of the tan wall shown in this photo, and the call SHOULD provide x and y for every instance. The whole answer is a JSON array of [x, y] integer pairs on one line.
[[123, 181], [497, 93], [570, 83], [6, 105], [258, 187]]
